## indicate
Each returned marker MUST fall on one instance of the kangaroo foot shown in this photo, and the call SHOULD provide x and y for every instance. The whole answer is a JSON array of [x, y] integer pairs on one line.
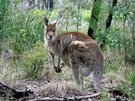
[[57, 70]]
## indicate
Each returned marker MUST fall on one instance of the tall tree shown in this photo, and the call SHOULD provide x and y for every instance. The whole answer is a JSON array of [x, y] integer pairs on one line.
[[133, 35], [36, 3], [93, 23], [79, 4], [49, 4], [33, 4], [109, 20]]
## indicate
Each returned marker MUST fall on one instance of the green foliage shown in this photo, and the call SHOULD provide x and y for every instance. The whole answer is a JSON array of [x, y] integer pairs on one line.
[[104, 95], [33, 60], [122, 87], [85, 4], [132, 92], [85, 14], [130, 75], [4, 10], [114, 65], [128, 89], [29, 33], [124, 10], [133, 56], [113, 38], [22, 31], [70, 12], [111, 67]]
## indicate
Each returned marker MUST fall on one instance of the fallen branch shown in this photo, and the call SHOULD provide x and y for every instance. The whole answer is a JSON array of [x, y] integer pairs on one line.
[[66, 98], [5, 86], [17, 94]]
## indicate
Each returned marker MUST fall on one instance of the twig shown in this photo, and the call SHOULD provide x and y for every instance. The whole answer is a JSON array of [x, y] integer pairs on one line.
[[66, 98]]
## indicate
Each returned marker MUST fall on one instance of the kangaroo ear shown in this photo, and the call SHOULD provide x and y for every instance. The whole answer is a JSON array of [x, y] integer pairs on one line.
[[54, 24], [46, 21]]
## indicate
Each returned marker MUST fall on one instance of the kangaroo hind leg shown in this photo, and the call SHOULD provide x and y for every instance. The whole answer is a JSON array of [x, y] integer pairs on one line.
[[98, 69]]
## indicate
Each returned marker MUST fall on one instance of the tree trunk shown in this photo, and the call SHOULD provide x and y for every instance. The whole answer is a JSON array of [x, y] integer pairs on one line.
[[23, 7], [93, 23], [36, 3], [46, 3], [124, 37], [108, 22], [133, 35], [51, 4], [43, 5], [79, 4], [109, 19], [61, 4]]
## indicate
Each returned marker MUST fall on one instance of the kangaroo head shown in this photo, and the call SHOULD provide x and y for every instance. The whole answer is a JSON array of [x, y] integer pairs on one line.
[[50, 30]]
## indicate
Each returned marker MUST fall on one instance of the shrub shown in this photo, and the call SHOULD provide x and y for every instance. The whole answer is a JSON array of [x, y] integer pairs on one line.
[[33, 60]]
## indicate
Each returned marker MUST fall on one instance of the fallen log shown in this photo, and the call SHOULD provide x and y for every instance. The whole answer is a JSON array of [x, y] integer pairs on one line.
[[6, 90], [67, 98]]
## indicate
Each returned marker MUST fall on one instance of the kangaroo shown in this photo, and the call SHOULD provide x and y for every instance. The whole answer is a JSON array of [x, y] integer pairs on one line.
[[78, 51]]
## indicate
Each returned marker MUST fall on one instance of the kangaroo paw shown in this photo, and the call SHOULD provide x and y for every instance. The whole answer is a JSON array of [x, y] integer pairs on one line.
[[58, 70], [62, 65]]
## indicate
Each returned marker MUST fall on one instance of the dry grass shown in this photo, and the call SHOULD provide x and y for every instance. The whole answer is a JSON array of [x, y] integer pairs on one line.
[[59, 89], [7, 71]]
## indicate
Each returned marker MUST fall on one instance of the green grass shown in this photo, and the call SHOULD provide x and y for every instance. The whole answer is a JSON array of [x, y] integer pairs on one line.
[[104, 95], [114, 66], [130, 76]]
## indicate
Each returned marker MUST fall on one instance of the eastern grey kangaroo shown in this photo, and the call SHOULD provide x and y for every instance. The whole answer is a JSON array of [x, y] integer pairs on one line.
[[77, 50]]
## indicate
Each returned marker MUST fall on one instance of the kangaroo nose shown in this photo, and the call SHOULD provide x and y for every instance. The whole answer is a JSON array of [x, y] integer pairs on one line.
[[51, 37]]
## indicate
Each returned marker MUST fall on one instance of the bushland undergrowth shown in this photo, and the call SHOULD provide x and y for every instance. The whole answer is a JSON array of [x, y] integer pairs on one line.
[[22, 54]]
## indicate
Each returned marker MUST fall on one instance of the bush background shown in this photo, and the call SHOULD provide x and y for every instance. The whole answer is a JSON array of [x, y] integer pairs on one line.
[[21, 37]]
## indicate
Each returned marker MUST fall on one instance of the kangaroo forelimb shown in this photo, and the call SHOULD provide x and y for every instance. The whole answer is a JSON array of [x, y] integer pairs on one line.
[[58, 68]]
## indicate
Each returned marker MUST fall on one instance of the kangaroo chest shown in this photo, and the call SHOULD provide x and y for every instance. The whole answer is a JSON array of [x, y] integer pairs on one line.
[[49, 46]]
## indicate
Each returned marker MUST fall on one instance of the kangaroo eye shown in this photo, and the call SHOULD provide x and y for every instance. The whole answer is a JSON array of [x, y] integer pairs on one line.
[[50, 30]]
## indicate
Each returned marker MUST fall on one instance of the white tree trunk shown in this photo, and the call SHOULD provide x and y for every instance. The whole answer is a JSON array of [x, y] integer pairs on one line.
[[61, 4], [36, 3]]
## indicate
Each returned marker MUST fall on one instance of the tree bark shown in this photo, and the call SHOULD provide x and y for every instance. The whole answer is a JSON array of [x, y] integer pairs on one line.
[[93, 23], [49, 4], [36, 3], [109, 19], [133, 35], [79, 4], [108, 22], [23, 7]]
